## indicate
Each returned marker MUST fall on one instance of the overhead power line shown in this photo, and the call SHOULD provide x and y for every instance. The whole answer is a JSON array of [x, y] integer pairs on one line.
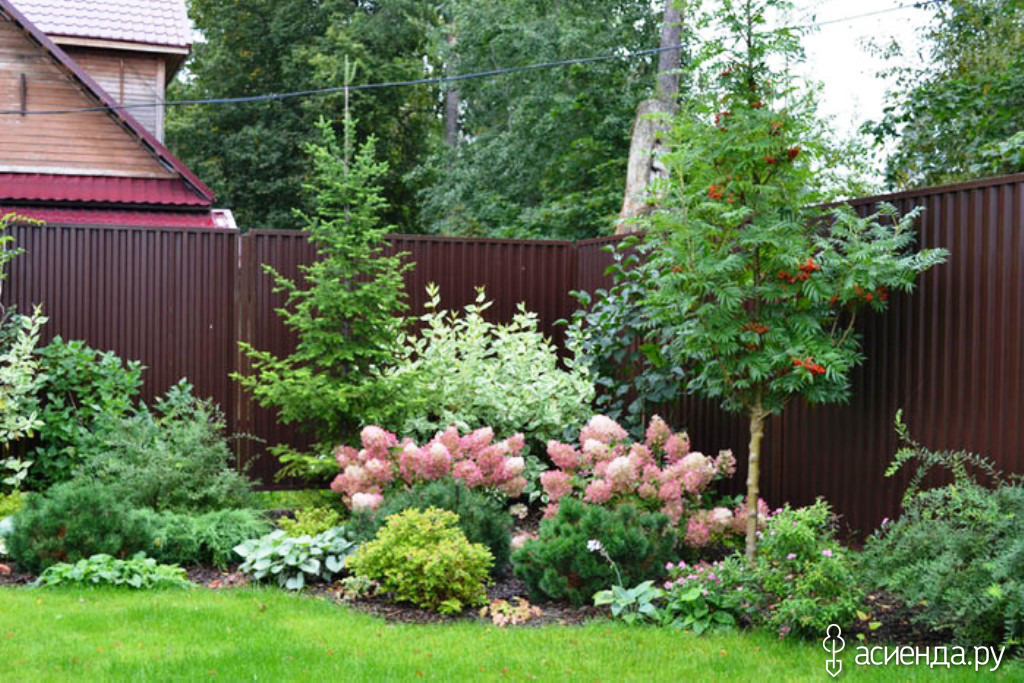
[[277, 97]]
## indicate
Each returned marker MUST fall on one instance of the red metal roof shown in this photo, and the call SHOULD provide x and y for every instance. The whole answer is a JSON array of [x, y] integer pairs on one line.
[[107, 189], [164, 219], [116, 110], [154, 22]]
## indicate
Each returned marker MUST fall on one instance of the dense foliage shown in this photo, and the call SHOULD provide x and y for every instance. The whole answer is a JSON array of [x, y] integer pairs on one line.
[[658, 474], [543, 153], [310, 521], [803, 578], [559, 565], [171, 456], [103, 570], [345, 310], [83, 389], [422, 557], [384, 465], [958, 113], [246, 153], [480, 517], [292, 561], [612, 336], [200, 539], [19, 381], [757, 301], [72, 521], [461, 369], [540, 153], [956, 550]]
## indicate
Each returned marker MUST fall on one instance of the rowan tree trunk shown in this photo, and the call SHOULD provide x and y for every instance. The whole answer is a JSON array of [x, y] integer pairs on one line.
[[757, 418], [650, 126]]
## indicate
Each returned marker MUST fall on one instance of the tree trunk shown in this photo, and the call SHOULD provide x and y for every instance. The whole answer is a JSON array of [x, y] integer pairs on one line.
[[452, 100], [669, 60], [757, 417], [651, 125]]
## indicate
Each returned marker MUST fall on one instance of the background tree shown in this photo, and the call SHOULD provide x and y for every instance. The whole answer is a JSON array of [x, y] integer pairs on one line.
[[249, 153], [346, 314], [542, 153], [758, 291], [960, 113]]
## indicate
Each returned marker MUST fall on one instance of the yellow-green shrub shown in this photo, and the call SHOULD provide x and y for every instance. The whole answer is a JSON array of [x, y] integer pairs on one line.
[[422, 557]]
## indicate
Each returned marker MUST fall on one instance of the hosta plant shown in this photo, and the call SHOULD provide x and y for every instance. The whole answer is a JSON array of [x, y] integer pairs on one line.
[[631, 605], [103, 570], [291, 561], [384, 464]]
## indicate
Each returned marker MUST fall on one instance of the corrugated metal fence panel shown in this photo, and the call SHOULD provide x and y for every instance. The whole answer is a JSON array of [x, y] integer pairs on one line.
[[160, 296], [537, 273], [951, 355]]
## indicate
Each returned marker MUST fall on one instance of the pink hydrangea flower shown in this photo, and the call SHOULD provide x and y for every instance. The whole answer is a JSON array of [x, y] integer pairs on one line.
[[603, 429], [677, 446], [725, 464], [598, 491], [657, 433], [366, 501], [376, 439], [564, 455], [556, 484]]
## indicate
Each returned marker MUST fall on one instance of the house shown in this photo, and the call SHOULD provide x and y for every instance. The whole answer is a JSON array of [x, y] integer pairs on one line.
[[81, 132]]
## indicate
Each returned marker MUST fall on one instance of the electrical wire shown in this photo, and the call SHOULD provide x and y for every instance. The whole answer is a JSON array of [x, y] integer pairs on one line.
[[277, 97]]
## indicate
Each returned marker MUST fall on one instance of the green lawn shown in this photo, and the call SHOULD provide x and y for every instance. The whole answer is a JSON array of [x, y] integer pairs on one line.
[[268, 635]]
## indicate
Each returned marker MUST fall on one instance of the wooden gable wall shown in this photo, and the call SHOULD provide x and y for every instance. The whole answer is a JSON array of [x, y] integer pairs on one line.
[[90, 143]]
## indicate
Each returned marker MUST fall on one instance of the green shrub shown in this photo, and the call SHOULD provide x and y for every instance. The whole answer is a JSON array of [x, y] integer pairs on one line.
[[291, 560], [310, 521], [104, 570], [956, 551], [703, 597], [201, 539], [422, 557], [172, 457], [559, 564], [804, 578], [294, 499], [11, 503], [82, 389], [461, 369], [73, 521], [482, 519]]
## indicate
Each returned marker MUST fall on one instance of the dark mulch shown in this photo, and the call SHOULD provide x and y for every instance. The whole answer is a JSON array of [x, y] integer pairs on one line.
[[505, 587], [898, 626], [10, 576], [211, 577]]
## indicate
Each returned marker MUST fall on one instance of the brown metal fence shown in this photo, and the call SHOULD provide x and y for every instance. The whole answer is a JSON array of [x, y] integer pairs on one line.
[[951, 355]]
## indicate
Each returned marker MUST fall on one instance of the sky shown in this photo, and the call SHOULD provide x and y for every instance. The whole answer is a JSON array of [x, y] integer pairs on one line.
[[837, 59]]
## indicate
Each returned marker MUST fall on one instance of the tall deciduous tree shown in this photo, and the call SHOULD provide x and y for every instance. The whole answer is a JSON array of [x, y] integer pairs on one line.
[[960, 115], [652, 115], [250, 154], [542, 153], [758, 291]]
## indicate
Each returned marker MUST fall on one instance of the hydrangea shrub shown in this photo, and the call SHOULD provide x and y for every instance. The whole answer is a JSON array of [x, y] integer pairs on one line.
[[385, 464], [660, 473]]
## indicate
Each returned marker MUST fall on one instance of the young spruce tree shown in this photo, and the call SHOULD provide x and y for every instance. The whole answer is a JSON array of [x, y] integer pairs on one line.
[[347, 312], [759, 287]]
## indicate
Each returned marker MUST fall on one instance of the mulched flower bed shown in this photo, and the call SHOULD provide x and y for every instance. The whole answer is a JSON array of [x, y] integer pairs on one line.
[[897, 623], [505, 587], [10, 576]]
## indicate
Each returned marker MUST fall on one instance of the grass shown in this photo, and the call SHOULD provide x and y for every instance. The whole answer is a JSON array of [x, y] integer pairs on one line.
[[250, 634]]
